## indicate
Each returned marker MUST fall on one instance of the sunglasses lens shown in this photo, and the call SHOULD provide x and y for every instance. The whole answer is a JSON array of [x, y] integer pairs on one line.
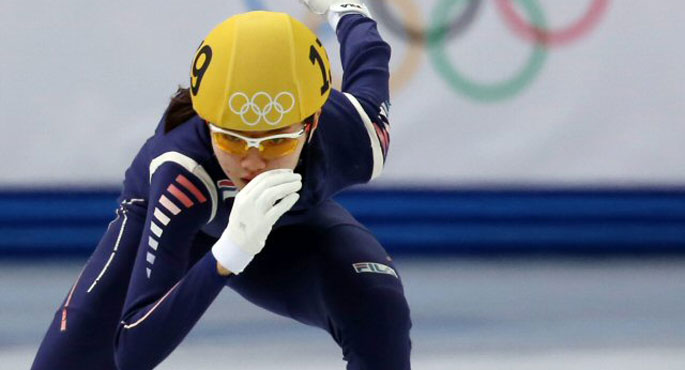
[[229, 143], [268, 148], [276, 148]]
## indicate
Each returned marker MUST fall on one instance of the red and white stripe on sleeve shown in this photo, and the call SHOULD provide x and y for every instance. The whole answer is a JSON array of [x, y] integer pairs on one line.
[[379, 134]]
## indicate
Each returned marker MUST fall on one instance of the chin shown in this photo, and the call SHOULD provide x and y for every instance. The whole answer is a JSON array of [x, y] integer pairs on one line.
[[239, 184]]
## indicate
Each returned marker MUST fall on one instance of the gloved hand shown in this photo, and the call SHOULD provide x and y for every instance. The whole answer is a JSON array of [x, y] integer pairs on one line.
[[335, 9], [322, 6], [255, 210]]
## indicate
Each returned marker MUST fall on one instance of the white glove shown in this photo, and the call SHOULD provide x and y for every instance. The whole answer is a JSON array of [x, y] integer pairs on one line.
[[336, 9], [255, 210]]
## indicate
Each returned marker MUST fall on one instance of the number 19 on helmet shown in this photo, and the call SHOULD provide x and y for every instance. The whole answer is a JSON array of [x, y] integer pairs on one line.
[[259, 71]]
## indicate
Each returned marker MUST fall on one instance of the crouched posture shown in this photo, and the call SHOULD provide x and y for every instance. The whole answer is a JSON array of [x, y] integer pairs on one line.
[[235, 189]]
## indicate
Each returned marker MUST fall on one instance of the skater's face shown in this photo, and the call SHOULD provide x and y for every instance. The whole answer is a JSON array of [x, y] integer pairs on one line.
[[243, 155]]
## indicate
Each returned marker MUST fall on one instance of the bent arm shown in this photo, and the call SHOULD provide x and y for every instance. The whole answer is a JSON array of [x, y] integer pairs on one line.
[[146, 336], [166, 296]]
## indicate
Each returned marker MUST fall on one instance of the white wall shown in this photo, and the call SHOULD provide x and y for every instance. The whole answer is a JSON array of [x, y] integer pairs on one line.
[[83, 83]]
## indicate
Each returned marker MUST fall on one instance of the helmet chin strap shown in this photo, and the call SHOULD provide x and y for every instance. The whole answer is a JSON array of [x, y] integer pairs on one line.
[[310, 133], [301, 162], [311, 127]]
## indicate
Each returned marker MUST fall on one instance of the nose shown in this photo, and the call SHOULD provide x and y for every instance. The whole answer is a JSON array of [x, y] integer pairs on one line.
[[253, 161]]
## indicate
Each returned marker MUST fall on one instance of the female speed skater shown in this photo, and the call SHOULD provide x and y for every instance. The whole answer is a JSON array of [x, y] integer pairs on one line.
[[234, 189]]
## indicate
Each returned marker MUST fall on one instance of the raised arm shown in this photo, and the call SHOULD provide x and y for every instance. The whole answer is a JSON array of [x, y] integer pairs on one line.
[[354, 127], [364, 54], [365, 58]]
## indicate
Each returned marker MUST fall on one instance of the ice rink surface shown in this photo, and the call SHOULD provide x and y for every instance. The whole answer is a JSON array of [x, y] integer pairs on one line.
[[479, 314]]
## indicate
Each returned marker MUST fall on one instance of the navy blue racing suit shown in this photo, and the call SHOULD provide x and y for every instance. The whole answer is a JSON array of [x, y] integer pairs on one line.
[[152, 275]]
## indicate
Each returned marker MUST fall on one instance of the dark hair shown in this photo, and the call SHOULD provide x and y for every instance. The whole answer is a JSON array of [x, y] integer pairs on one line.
[[180, 109]]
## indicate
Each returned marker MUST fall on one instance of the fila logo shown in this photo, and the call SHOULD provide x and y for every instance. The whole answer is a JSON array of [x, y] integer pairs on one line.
[[227, 189], [345, 6], [373, 267]]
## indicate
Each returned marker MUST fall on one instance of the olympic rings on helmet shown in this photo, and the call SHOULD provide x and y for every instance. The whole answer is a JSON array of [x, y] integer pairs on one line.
[[436, 36], [250, 107]]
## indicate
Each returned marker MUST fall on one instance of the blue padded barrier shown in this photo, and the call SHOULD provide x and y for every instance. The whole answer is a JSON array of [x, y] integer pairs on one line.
[[63, 222]]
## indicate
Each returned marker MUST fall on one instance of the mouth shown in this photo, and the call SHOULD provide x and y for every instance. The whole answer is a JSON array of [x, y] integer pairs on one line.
[[246, 180]]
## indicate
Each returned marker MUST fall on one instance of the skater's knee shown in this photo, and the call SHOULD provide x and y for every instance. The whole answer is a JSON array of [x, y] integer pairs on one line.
[[385, 309], [376, 334]]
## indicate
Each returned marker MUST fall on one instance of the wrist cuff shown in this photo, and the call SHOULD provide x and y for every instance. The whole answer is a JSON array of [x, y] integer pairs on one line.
[[337, 11], [230, 256]]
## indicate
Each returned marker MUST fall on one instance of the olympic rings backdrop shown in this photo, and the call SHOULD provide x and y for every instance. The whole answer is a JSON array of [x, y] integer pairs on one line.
[[484, 92], [446, 24]]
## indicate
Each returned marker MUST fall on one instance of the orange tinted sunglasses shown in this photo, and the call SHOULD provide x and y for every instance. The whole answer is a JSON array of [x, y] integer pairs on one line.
[[270, 147]]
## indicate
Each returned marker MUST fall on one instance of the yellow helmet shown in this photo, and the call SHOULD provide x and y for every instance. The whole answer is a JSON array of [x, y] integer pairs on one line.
[[259, 71]]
